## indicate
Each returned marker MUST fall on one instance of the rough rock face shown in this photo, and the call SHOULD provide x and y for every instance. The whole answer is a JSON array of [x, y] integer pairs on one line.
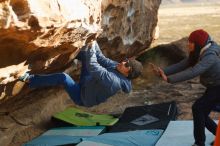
[[186, 1], [173, 52], [129, 26], [163, 55], [44, 36]]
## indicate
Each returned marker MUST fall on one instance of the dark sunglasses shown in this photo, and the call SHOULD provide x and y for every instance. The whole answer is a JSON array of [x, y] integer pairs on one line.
[[127, 63]]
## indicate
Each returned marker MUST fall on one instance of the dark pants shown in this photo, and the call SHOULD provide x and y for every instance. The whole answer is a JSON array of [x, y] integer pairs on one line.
[[201, 110], [72, 88], [55, 79]]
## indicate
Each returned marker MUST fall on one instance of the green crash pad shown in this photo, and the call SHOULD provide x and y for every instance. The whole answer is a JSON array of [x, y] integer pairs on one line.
[[78, 117]]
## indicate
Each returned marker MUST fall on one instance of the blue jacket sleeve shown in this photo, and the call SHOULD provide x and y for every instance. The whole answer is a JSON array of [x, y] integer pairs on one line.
[[202, 66], [99, 72], [175, 68], [102, 60]]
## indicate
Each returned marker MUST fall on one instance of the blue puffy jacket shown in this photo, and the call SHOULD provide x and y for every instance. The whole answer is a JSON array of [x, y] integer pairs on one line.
[[104, 80], [208, 68]]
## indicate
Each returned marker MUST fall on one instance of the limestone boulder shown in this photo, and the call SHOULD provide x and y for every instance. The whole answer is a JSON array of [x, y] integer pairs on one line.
[[163, 55], [167, 54], [43, 36], [128, 26]]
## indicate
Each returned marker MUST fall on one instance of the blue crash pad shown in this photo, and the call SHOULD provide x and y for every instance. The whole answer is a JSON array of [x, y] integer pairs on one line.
[[132, 138], [180, 133], [65, 135]]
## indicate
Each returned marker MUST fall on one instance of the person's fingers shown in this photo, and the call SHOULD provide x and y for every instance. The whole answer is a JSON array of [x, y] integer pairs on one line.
[[162, 74], [160, 70], [153, 65], [155, 69]]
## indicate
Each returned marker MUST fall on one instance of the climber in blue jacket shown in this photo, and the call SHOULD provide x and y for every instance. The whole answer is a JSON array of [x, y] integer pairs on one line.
[[100, 77]]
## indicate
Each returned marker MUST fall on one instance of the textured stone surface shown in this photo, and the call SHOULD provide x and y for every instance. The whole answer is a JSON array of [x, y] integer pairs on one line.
[[165, 54], [41, 36], [44, 36], [128, 26], [186, 1], [29, 116]]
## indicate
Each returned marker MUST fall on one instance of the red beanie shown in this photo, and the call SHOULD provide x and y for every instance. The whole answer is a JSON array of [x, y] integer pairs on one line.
[[199, 37]]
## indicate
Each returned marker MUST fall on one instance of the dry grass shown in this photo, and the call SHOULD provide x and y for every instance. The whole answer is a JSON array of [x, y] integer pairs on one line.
[[177, 21]]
